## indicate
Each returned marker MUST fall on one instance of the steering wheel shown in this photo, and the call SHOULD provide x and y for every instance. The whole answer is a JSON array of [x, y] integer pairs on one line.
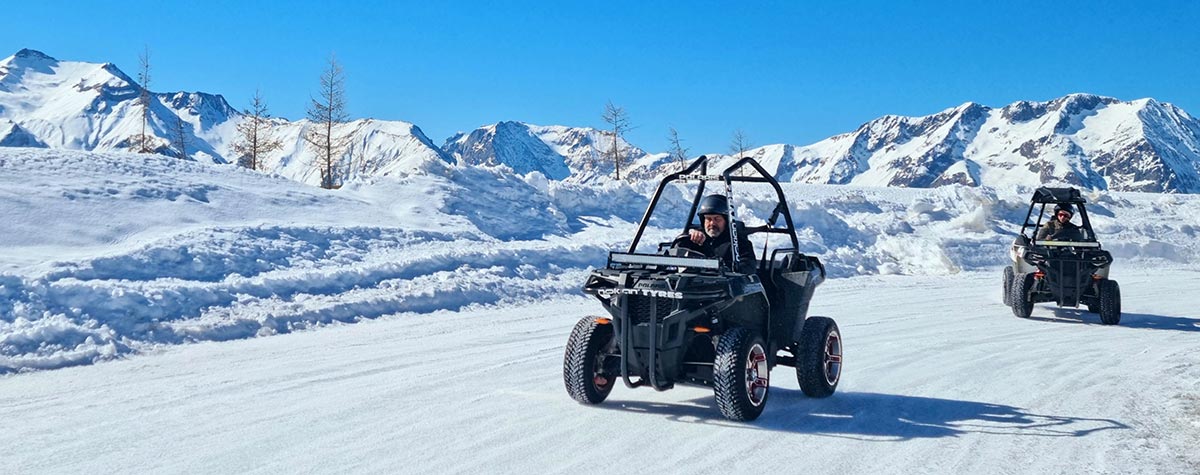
[[679, 248], [680, 251]]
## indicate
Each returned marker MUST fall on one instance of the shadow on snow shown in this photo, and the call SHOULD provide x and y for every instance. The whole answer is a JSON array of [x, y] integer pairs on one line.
[[1128, 320], [880, 417]]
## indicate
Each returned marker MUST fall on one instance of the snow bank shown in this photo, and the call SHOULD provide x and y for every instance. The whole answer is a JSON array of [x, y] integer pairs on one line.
[[226, 284], [108, 254]]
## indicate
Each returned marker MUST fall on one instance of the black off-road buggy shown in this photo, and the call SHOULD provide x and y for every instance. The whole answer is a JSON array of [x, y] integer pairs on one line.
[[1066, 271], [678, 318]]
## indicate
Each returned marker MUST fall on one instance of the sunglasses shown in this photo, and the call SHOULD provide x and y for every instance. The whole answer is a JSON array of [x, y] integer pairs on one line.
[[1064, 213]]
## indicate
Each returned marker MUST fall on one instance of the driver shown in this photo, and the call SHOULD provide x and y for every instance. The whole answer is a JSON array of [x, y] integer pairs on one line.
[[1060, 228], [713, 241]]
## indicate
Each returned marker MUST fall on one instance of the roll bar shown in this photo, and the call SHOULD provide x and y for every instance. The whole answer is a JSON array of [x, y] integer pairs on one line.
[[726, 176]]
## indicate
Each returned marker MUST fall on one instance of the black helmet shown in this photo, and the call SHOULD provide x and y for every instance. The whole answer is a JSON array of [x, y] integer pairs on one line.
[[713, 204], [1064, 207]]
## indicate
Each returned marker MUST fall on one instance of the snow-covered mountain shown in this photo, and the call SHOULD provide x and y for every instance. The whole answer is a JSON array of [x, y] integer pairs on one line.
[[12, 135], [376, 148], [572, 154], [1082, 140], [45, 102]]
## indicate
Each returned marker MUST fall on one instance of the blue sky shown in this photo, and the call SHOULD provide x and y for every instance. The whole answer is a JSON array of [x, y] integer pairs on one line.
[[783, 72]]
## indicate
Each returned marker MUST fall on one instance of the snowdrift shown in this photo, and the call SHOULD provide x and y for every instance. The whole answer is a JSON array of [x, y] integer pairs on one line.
[[107, 254]]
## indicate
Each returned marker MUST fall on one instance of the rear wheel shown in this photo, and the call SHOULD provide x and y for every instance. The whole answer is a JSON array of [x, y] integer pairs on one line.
[[1021, 298], [742, 375], [819, 357], [1008, 280], [588, 349], [1110, 302]]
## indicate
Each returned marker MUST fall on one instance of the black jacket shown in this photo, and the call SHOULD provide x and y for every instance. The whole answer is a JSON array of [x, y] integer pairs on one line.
[[720, 247], [1056, 230]]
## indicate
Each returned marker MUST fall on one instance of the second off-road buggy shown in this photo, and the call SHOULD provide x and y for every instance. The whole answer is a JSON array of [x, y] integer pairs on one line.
[[677, 318], [1066, 270]]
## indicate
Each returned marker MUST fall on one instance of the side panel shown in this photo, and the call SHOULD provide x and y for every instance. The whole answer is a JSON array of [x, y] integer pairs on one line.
[[795, 291], [749, 311]]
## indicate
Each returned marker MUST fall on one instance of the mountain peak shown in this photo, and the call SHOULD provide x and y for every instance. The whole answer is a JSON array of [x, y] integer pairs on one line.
[[969, 105], [1085, 140], [29, 60], [1076, 102], [512, 126], [1147, 102], [1084, 96], [33, 54], [972, 110]]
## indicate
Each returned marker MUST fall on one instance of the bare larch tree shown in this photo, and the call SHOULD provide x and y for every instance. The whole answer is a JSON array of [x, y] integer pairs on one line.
[[740, 144], [618, 120], [679, 153], [143, 140], [254, 137], [738, 147], [180, 138], [326, 111]]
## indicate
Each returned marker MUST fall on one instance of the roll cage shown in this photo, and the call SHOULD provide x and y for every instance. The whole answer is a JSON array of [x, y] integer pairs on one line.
[[1045, 196], [698, 171]]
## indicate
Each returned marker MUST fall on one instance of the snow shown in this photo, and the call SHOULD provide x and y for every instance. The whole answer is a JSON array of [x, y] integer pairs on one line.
[[146, 251], [570, 154], [416, 323], [1090, 141], [933, 383], [88, 106]]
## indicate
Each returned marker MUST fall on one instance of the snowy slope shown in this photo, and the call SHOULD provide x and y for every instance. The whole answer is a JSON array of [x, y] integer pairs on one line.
[[1082, 140], [571, 154], [143, 251], [13, 135], [170, 298], [146, 250], [939, 378], [87, 106], [45, 102], [511, 143], [376, 148]]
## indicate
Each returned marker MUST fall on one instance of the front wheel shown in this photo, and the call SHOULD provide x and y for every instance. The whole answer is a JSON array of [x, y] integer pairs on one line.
[[742, 374], [819, 357], [1008, 280], [584, 364], [1022, 295], [1110, 302]]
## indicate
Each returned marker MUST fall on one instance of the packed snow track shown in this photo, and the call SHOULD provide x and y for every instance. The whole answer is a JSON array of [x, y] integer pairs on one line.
[[940, 378]]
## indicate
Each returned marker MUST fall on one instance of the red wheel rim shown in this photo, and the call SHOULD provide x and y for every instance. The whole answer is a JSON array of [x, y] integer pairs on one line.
[[758, 375], [833, 357]]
